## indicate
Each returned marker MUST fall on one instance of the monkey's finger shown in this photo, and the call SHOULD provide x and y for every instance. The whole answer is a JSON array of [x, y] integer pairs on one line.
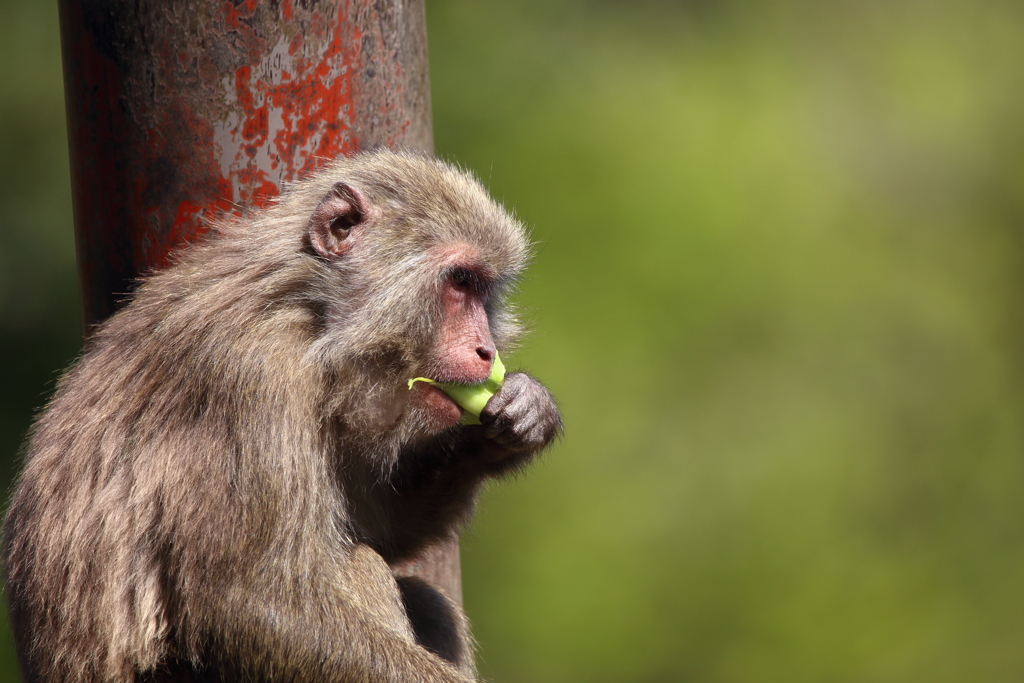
[[522, 416], [496, 416], [506, 415], [523, 431], [513, 386]]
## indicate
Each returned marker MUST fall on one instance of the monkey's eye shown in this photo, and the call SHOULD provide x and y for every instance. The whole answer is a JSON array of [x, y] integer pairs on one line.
[[464, 278], [461, 278], [469, 280]]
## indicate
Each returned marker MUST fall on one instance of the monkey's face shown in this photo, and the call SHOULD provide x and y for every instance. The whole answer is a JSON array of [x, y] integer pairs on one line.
[[422, 268], [462, 348]]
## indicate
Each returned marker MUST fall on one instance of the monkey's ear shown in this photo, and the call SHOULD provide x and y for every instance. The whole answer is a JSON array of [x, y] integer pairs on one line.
[[344, 209]]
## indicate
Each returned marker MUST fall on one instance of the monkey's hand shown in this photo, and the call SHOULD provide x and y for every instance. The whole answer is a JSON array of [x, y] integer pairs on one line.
[[434, 484], [521, 419]]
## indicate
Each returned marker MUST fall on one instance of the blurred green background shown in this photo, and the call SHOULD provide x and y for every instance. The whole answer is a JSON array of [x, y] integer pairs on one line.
[[778, 293]]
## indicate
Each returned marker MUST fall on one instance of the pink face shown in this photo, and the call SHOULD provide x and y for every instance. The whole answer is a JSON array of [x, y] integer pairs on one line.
[[464, 350]]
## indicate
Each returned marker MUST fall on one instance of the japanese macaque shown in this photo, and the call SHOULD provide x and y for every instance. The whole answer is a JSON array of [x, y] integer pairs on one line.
[[222, 483]]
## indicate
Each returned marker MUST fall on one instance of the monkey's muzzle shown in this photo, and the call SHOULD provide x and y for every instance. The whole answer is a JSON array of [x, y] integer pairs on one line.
[[471, 397]]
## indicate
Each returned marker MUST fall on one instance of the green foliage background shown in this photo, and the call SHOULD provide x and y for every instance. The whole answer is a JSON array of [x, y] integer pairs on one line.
[[778, 292]]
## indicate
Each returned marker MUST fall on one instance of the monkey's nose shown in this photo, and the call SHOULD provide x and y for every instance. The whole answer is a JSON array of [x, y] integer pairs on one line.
[[486, 353]]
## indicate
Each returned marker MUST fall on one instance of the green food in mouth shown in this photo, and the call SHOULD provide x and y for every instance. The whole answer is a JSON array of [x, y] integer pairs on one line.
[[471, 397]]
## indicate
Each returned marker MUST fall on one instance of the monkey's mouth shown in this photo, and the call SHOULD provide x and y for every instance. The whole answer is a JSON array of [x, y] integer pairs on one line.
[[440, 411]]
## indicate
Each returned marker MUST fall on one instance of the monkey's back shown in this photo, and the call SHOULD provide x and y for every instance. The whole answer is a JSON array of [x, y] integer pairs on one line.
[[154, 436]]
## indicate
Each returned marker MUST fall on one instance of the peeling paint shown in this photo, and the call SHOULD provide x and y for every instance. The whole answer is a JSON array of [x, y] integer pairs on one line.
[[181, 110]]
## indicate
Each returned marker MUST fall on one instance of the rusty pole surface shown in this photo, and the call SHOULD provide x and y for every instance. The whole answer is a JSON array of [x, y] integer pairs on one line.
[[181, 110]]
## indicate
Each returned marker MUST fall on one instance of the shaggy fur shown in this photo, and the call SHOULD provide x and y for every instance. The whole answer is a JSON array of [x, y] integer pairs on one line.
[[219, 484]]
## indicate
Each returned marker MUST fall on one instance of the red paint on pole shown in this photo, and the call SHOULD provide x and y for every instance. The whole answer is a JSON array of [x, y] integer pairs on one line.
[[181, 111]]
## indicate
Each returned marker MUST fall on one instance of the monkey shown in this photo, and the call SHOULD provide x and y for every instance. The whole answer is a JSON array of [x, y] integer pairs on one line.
[[223, 482]]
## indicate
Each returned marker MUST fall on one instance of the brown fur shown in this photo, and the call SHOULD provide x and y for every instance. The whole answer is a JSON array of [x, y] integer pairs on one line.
[[218, 486]]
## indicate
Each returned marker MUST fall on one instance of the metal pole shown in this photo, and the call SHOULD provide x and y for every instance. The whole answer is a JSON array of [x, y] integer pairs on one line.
[[179, 110]]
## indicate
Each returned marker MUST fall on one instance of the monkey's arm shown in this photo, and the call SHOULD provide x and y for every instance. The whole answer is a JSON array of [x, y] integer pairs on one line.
[[359, 632], [280, 644], [434, 485]]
